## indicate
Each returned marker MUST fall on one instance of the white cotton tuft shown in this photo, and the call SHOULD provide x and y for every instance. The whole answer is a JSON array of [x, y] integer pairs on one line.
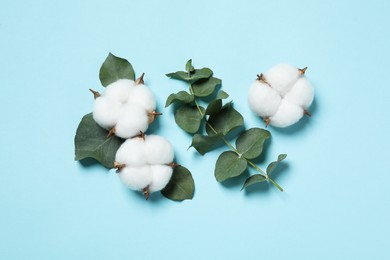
[[119, 90], [132, 152], [142, 96], [106, 112], [263, 99], [136, 178], [287, 114], [158, 150], [281, 77], [133, 120], [301, 94], [161, 175]]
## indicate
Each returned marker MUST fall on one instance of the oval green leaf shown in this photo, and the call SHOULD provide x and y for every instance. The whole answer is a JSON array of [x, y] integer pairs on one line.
[[229, 165], [91, 141], [204, 143], [181, 96], [189, 66], [250, 143], [225, 121], [181, 186], [214, 107], [188, 118], [115, 68], [257, 178], [206, 87], [272, 166]]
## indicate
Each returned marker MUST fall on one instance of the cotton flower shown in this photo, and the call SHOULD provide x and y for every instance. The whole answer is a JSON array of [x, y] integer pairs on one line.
[[282, 95], [125, 108], [145, 163]]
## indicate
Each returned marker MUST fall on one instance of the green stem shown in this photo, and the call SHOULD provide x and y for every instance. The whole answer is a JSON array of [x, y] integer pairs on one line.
[[231, 146], [274, 183]]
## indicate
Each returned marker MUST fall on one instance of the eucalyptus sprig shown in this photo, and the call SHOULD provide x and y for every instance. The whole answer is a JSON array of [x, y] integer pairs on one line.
[[218, 120]]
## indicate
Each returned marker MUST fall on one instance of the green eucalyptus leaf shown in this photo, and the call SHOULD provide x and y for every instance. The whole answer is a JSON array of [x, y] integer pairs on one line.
[[189, 66], [181, 186], [257, 178], [250, 143], [214, 107], [229, 165], [205, 87], [204, 143], [272, 166], [181, 96], [225, 120], [222, 95], [188, 118], [91, 141], [203, 73], [181, 75], [115, 68]]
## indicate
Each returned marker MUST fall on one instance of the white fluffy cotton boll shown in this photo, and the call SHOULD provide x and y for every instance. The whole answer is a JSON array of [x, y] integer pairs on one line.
[[161, 175], [263, 99], [106, 112], [287, 114], [132, 152], [158, 150], [119, 90], [136, 178], [142, 96], [302, 93], [133, 120], [281, 77]]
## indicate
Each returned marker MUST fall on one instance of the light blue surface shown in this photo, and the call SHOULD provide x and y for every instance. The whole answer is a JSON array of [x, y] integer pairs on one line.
[[336, 200]]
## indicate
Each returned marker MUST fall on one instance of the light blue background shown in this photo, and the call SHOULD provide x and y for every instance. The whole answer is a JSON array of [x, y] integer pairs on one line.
[[336, 200]]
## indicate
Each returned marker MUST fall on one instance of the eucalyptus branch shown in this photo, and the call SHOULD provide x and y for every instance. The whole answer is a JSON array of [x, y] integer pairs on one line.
[[231, 146], [219, 121]]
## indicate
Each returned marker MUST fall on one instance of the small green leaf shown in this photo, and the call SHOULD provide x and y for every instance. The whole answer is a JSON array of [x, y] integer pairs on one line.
[[203, 73], [181, 186], [225, 121], [91, 141], [206, 87], [181, 75], [250, 143], [229, 165], [214, 107], [189, 66], [115, 68], [181, 96], [257, 178], [271, 167], [188, 118], [222, 95], [204, 143]]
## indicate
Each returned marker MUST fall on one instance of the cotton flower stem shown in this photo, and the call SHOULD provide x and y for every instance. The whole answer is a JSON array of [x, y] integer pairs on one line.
[[111, 132], [119, 166], [172, 164], [152, 116], [262, 79], [95, 93], [302, 71], [305, 112], [232, 147], [146, 193], [140, 80], [141, 135], [267, 120]]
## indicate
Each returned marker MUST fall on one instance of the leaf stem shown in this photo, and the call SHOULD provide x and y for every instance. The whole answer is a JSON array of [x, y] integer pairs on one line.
[[276, 185], [231, 146]]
